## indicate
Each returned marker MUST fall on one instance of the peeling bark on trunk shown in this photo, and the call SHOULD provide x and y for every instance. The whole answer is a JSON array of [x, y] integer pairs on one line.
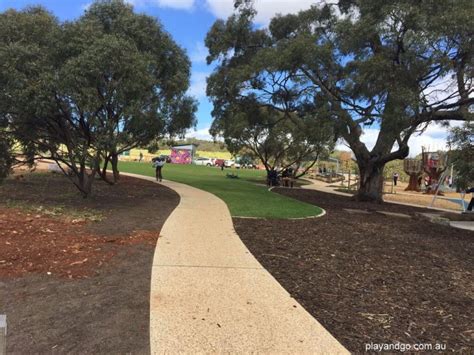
[[85, 182], [372, 163], [85, 179], [370, 183]]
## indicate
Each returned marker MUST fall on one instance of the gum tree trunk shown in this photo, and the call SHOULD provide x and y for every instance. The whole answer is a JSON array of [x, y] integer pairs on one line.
[[85, 179], [372, 163], [370, 183], [85, 182], [114, 162], [113, 159]]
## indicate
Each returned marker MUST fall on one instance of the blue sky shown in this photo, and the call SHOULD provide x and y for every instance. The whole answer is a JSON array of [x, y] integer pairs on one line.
[[188, 22]]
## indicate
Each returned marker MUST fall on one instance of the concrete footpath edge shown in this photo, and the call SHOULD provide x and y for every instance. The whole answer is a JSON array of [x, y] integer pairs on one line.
[[209, 294]]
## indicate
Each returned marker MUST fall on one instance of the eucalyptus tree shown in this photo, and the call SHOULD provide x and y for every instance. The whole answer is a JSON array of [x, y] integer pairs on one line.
[[277, 142], [127, 70], [36, 105], [27, 64], [395, 66], [82, 92]]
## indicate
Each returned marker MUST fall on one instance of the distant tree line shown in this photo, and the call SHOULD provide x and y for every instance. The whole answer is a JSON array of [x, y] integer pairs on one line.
[[202, 144]]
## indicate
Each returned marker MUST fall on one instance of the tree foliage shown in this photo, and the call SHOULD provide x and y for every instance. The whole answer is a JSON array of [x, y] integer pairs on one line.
[[395, 65], [462, 155], [82, 92], [277, 142]]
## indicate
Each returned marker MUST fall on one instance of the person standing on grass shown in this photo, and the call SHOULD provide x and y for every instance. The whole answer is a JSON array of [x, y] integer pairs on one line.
[[272, 178], [140, 157], [158, 164]]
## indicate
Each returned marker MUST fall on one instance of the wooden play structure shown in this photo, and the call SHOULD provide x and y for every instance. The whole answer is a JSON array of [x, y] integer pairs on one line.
[[434, 165]]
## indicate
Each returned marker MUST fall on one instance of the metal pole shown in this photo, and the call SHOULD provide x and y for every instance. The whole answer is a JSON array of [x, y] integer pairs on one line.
[[463, 205], [440, 180], [3, 334]]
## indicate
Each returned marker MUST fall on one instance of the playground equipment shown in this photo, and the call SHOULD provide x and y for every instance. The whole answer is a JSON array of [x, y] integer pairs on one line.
[[434, 165], [327, 170], [329, 177], [354, 183], [414, 169], [337, 163]]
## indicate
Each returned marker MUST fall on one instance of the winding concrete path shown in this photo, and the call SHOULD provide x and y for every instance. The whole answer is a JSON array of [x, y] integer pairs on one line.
[[210, 295]]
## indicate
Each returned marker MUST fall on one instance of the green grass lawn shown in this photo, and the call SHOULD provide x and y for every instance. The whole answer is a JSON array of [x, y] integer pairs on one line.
[[243, 196]]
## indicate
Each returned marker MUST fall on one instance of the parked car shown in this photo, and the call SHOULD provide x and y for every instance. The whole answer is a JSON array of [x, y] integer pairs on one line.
[[249, 166], [231, 164], [246, 162], [203, 161]]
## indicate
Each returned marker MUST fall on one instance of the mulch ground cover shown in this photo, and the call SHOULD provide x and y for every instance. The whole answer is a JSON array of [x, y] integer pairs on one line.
[[372, 278], [75, 273]]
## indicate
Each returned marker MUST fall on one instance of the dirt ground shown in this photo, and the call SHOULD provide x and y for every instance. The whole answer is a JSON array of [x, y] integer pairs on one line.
[[398, 194], [75, 273], [371, 278], [423, 199]]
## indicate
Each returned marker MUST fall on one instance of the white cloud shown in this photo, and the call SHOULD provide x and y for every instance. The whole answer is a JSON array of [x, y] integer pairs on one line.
[[174, 4], [220, 8], [198, 85], [202, 133], [178, 4], [433, 138], [443, 90], [86, 6], [199, 53], [266, 9]]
